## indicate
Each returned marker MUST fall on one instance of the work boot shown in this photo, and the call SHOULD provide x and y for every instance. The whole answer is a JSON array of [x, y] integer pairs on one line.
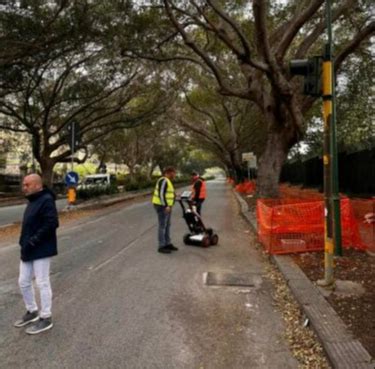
[[171, 247], [164, 250], [28, 318], [43, 324]]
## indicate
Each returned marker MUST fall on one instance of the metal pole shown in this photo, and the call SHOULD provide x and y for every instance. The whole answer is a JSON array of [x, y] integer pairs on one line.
[[332, 229], [335, 199], [72, 143], [33, 166], [327, 168]]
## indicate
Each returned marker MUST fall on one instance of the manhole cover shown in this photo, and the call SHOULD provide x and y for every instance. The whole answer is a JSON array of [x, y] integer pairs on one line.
[[232, 279]]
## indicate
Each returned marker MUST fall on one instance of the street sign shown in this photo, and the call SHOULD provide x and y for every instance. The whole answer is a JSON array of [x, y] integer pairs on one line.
[[71, 179], [252, 163], [250, 158], [246, 156]]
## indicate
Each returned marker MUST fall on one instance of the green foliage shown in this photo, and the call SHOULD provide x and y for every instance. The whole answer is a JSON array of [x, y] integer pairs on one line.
[[92, 192], [85, 169], [355, 107], [140, 182], [197, 160]]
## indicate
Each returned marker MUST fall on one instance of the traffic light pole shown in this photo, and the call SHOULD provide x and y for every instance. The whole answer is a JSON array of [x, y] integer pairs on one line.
[[327, 169], [334, 155], [332, 229]]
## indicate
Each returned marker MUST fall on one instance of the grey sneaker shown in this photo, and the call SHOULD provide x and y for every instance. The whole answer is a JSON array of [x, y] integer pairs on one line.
[[27, 319], [43, 324]]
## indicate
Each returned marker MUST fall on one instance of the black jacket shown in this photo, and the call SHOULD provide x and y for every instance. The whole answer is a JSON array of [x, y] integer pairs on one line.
[[40, 220]]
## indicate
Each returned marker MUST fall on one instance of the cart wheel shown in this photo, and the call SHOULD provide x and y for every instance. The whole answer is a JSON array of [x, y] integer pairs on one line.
[[206, 242], [187, 238], [214, 239]]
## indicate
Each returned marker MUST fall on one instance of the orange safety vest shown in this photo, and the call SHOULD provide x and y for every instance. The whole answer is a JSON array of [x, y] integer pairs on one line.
[[202, 193]]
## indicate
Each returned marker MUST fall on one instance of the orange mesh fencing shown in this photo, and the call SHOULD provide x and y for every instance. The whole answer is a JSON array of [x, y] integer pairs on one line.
[[295, 225], [246, 187]]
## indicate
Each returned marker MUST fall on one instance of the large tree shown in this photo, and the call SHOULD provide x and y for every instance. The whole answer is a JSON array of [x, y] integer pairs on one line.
[[32, 30], [88, 82], [247, 46], [221, 126]]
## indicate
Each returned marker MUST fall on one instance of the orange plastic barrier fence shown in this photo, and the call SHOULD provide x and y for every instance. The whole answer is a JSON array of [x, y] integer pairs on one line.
[[246, 187], [295, 225]]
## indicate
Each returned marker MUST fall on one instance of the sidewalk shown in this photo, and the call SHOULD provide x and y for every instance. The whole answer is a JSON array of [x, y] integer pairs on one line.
[[343, 350]]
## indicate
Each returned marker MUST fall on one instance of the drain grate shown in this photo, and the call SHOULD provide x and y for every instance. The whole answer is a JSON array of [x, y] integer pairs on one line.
[[232, 279]]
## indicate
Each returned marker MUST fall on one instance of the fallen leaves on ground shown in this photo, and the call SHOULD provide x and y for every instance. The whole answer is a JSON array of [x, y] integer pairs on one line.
[[357, 312], [302, 340]]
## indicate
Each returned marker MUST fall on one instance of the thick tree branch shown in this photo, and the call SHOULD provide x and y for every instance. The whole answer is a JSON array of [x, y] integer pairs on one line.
[[365, 33], [12, 129], [224, 87], [295, 25], [319, 29], [243, 55]]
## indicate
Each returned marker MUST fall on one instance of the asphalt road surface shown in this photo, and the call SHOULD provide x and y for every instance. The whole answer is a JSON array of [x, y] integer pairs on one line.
[[13, 214], [120, 304]]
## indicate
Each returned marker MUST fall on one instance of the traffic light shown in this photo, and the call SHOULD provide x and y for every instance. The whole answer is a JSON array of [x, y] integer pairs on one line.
[[311, 68], [74, 135]]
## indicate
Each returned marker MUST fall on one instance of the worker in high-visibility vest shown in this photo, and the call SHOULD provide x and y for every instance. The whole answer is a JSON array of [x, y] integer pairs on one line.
[[163, 200], [198, 191]]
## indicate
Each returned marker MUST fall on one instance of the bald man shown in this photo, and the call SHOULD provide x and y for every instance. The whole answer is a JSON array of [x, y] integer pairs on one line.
[[38, 243]]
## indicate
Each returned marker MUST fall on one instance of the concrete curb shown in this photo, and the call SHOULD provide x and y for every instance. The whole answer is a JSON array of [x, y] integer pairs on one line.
[[342, 349], [114, 199]]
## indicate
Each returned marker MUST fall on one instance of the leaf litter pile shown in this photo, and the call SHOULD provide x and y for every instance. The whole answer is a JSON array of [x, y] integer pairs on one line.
[[301, 339]]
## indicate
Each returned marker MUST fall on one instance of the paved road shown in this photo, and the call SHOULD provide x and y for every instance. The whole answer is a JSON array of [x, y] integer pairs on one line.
[[120, 304], [13, 214]]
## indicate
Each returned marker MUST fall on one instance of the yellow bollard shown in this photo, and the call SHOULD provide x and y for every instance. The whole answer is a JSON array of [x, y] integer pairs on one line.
[[72, 195]]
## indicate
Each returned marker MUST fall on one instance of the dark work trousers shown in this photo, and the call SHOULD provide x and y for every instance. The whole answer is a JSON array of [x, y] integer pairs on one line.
[[199, 204], [164, 220]]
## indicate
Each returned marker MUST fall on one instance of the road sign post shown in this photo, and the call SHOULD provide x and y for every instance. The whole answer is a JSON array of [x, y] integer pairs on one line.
[[74, 138], [251, 160], [71, 181]]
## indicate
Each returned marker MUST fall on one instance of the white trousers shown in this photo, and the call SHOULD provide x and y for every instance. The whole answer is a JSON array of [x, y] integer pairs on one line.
[[40, 269]]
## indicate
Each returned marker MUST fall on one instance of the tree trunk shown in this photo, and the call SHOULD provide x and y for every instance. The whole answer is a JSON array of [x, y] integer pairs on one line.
[[150, 170], [270, 164], [46, 167], [131, 171], [236, 167]]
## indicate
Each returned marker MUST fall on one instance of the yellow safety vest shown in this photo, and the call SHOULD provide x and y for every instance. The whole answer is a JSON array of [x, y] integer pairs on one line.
[[164, 195]]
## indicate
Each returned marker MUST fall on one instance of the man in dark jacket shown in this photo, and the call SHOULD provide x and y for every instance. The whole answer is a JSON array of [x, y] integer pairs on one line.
[[38, 243]]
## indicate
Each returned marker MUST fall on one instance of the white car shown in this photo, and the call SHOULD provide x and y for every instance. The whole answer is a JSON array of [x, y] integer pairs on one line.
[[94, 180]]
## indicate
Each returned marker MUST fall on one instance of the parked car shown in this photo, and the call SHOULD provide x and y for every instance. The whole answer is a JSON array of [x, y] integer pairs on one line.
[[98, 180]]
